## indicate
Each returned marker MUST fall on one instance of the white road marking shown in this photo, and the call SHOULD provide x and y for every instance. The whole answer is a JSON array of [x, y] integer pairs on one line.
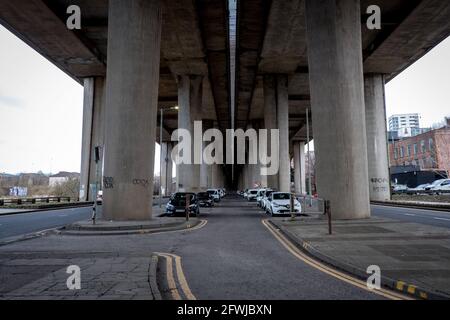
[[443, 219], [410, 214]]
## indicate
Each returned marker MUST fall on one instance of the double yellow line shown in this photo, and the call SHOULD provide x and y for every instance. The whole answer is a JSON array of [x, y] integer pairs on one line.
[[173, 285], [326, 269]]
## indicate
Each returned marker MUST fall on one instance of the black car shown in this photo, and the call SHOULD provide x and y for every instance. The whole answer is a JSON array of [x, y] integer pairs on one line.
[[204, 199], [177, 204]]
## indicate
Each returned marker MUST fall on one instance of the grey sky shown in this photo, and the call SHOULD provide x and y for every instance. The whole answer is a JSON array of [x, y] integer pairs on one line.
[[41, 107]]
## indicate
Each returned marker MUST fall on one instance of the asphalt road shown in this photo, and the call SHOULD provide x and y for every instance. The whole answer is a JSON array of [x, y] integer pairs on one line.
[[429, 217], [25, 223]]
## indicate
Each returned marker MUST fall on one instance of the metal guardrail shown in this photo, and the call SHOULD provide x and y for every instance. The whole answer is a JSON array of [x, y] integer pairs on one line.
[[422, 192], [20, 201]]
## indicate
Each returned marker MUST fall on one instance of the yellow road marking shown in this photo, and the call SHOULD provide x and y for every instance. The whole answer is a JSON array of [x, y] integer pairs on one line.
[[199, 226], [182, 279], [170, 279], [324, 268]]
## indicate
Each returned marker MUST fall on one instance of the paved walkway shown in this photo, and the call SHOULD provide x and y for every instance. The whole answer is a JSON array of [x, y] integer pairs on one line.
[[416, 254]]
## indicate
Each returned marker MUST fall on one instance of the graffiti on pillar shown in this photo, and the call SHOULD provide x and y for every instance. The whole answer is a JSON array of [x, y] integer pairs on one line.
[[108, 182], [380, 184], [141, 182]]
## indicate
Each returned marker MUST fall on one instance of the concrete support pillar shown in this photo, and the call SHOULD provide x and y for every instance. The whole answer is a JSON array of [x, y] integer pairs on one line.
[[134, 40], [284, 175], [86, 139], [379, 180], [204, 172], [189, 103], [166, 166], [216, 176], [337, 103], [299, 167], [270, 118]]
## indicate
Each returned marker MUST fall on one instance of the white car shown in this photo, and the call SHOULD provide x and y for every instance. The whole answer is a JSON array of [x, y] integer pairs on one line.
[[435, 184], [215, 194], [260, 196], [265, 200], [280, 203], [442, 185], [251, 194]]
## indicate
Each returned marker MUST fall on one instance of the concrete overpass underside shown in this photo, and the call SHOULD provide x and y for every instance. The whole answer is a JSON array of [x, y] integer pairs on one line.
[[295, 59]]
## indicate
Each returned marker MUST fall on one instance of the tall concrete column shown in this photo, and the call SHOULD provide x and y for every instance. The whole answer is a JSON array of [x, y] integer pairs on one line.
[[204, 172], [98, 135], [379, 180], [166, 166], [86, 139], [134, 38], [270, 118], [284, 175], [216, 176], [299, 167], [337, 104], [189, 103]]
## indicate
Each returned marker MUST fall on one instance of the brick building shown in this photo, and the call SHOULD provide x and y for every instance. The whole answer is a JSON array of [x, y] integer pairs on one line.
[[430, 150]]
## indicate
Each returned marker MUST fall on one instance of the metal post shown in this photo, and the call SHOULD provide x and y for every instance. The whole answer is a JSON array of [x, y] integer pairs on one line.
[[160, 158], [94, 209], [328, 213], [188, 200], [292, 206], [309, 158]]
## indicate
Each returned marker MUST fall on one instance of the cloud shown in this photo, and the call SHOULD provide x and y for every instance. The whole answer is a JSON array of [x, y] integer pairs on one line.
[[11, 102]]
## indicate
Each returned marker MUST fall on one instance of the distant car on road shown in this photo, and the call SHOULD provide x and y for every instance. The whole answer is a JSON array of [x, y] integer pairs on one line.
[[418, 189], [441, 185], [205, 199], [251, 194], [436, 185], [214, 193], [177, 204], [280, 203], [265, 200]]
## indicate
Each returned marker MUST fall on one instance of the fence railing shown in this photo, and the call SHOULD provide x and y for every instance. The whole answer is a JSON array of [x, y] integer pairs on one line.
[[422, 192], [20, 201]]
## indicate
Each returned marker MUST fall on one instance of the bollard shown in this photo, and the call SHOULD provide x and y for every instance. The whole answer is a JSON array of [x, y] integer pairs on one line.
[[292, 206], [327, 209], [188, 200]]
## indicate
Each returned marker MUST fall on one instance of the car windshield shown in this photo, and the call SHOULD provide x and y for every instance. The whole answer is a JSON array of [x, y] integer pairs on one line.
[[281, 196], [253, 192], [182, 196]]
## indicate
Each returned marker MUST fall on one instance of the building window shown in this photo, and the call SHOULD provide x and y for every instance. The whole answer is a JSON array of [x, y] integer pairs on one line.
[[430, 144], [422, 146], [415, 148], [395, 153], [408, 152], [402, 152]]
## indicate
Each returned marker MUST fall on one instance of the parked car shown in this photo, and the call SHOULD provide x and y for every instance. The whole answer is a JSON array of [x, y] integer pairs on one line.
[[177, 204], [442, 185], [399, 188], [251, 194], [214, 193], [280, 203], [418, 189], [244, 194], [259, 196], [205, 199], [265, 200], [437, 184]]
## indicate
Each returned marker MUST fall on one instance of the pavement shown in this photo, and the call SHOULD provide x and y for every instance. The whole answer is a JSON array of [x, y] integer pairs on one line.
[[412, 256], [231, 254]]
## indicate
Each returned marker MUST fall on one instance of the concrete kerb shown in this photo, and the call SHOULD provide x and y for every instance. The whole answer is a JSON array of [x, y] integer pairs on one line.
[[403, 204], [152, 278], [128, 230], [357, 272]]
